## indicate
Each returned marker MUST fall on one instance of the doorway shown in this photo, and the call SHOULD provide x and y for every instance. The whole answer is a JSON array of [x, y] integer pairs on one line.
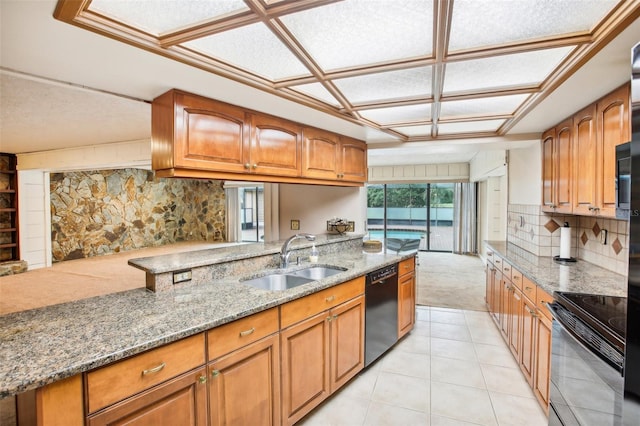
[[251, 213], [416, 214]]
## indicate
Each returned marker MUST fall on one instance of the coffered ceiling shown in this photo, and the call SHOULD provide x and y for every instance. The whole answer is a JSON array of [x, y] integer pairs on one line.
[[417, 70], [420, 81]]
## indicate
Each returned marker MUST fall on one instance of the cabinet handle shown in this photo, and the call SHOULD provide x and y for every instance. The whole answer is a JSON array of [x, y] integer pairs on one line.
[[215, 373], [247, 166], [533, 313], [516, 277], [153, 370], [202, 379], [329, 318], [247, 332], [255, 166], [528, 288], [335, 317], [506, 269], [330, 299]]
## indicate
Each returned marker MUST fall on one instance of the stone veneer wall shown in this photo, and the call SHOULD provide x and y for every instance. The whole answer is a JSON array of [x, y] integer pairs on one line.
[[539, 233], [108, 211]]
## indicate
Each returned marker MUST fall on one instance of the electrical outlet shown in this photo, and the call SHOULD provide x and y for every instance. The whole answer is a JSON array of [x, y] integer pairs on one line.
[[295, 225], [182, 276]]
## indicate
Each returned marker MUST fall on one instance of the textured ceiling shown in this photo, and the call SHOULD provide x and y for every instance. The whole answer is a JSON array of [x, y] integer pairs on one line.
[[418, 71]]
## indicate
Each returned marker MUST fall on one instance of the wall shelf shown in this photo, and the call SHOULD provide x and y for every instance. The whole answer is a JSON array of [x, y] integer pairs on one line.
[[9, 228]]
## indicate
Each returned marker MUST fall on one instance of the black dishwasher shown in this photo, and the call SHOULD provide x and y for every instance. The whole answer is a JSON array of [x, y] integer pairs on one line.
[[381, 312]]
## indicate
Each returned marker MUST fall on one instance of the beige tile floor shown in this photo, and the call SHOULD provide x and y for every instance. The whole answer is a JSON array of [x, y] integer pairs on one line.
[[453, 369]]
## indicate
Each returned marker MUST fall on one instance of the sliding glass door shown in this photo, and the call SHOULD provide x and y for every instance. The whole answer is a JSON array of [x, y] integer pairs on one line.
[[411, 215]]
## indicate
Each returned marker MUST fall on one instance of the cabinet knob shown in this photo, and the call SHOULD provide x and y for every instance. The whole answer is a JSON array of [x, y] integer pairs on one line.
[[215, 373], [255, 166], [247, 166], [330, 299], [202, 379]]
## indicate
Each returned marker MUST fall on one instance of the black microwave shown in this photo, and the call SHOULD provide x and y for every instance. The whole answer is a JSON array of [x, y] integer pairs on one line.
[[623, 180]]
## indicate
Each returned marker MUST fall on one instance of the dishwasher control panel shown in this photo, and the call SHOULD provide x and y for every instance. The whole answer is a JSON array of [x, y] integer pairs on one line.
[[382, 273]]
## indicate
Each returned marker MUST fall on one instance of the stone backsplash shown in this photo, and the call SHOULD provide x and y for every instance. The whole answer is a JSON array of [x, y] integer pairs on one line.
[[101, 212], [539, 233]]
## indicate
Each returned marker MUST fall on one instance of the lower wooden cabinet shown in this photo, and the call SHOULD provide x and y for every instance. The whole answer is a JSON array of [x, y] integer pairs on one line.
[[527, 352], [406, 297], [520, 314], [319, 355], [180, 401], [244, 386], [542, 361]]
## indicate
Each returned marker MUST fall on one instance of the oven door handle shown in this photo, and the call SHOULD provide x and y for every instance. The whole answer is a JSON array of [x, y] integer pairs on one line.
[[582, 342]]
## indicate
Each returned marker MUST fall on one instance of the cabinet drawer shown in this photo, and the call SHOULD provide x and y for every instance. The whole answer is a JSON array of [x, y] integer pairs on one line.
[[529, 289], [124, 378], [542, 298], [407, 266], [297, 310], [516, 277], [506, 270], [239, 333], [497, 261]]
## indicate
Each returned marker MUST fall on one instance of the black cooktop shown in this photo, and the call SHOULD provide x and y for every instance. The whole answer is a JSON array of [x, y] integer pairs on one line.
[[606, 314]]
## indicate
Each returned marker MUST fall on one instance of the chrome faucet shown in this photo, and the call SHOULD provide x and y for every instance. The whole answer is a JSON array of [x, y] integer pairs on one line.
[[284, 251]]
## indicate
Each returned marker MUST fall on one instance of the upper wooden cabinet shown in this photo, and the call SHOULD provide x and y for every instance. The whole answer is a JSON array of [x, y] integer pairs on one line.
[[613, 129], [197, 137], [353, 154], [320, 154], [584, 171], [578, 157], [556, 165], [329, 156]]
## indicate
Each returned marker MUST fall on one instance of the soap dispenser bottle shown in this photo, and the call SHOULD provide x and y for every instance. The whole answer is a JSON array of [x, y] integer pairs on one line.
[[313, 257]]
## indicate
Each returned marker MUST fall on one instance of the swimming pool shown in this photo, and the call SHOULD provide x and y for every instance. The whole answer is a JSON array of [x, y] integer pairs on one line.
[[379, 234]]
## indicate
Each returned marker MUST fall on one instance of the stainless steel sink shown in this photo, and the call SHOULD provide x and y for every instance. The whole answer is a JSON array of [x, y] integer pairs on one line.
[[282, 281], [318, 272], [277, 281]]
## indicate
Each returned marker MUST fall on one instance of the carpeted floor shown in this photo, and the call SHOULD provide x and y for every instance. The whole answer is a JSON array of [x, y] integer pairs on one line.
[[451, 281]]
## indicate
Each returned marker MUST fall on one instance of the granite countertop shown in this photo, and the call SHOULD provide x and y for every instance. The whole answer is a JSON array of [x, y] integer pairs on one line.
[[579, 277], [44, 345]]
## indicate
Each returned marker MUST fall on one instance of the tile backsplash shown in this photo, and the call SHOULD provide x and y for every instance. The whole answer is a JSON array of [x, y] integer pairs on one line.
[[597, 240]]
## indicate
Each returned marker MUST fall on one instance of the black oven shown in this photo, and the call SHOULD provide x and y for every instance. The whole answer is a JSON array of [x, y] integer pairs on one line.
[[587, 360], [623, 180]]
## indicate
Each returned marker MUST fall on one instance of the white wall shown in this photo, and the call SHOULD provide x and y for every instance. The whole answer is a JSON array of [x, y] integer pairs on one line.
[[313, 205], [487, 163], [525, 175]]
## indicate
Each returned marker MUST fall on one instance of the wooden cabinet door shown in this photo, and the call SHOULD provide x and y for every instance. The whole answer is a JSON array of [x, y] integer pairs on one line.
[[584, 153], [542, 360], [305, 366], [497, 296], [613, 128], [406, 303], [210, 135], [244, 386], [527, 351], [347, 341], [276, 146], [320, 154], [548, 187], [563, 172], [490, 275], [515, 321], [505, 305], [353, 160], [180, 401]]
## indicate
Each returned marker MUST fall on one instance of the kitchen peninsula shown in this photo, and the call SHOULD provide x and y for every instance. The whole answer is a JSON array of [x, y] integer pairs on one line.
[[64, 340]]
